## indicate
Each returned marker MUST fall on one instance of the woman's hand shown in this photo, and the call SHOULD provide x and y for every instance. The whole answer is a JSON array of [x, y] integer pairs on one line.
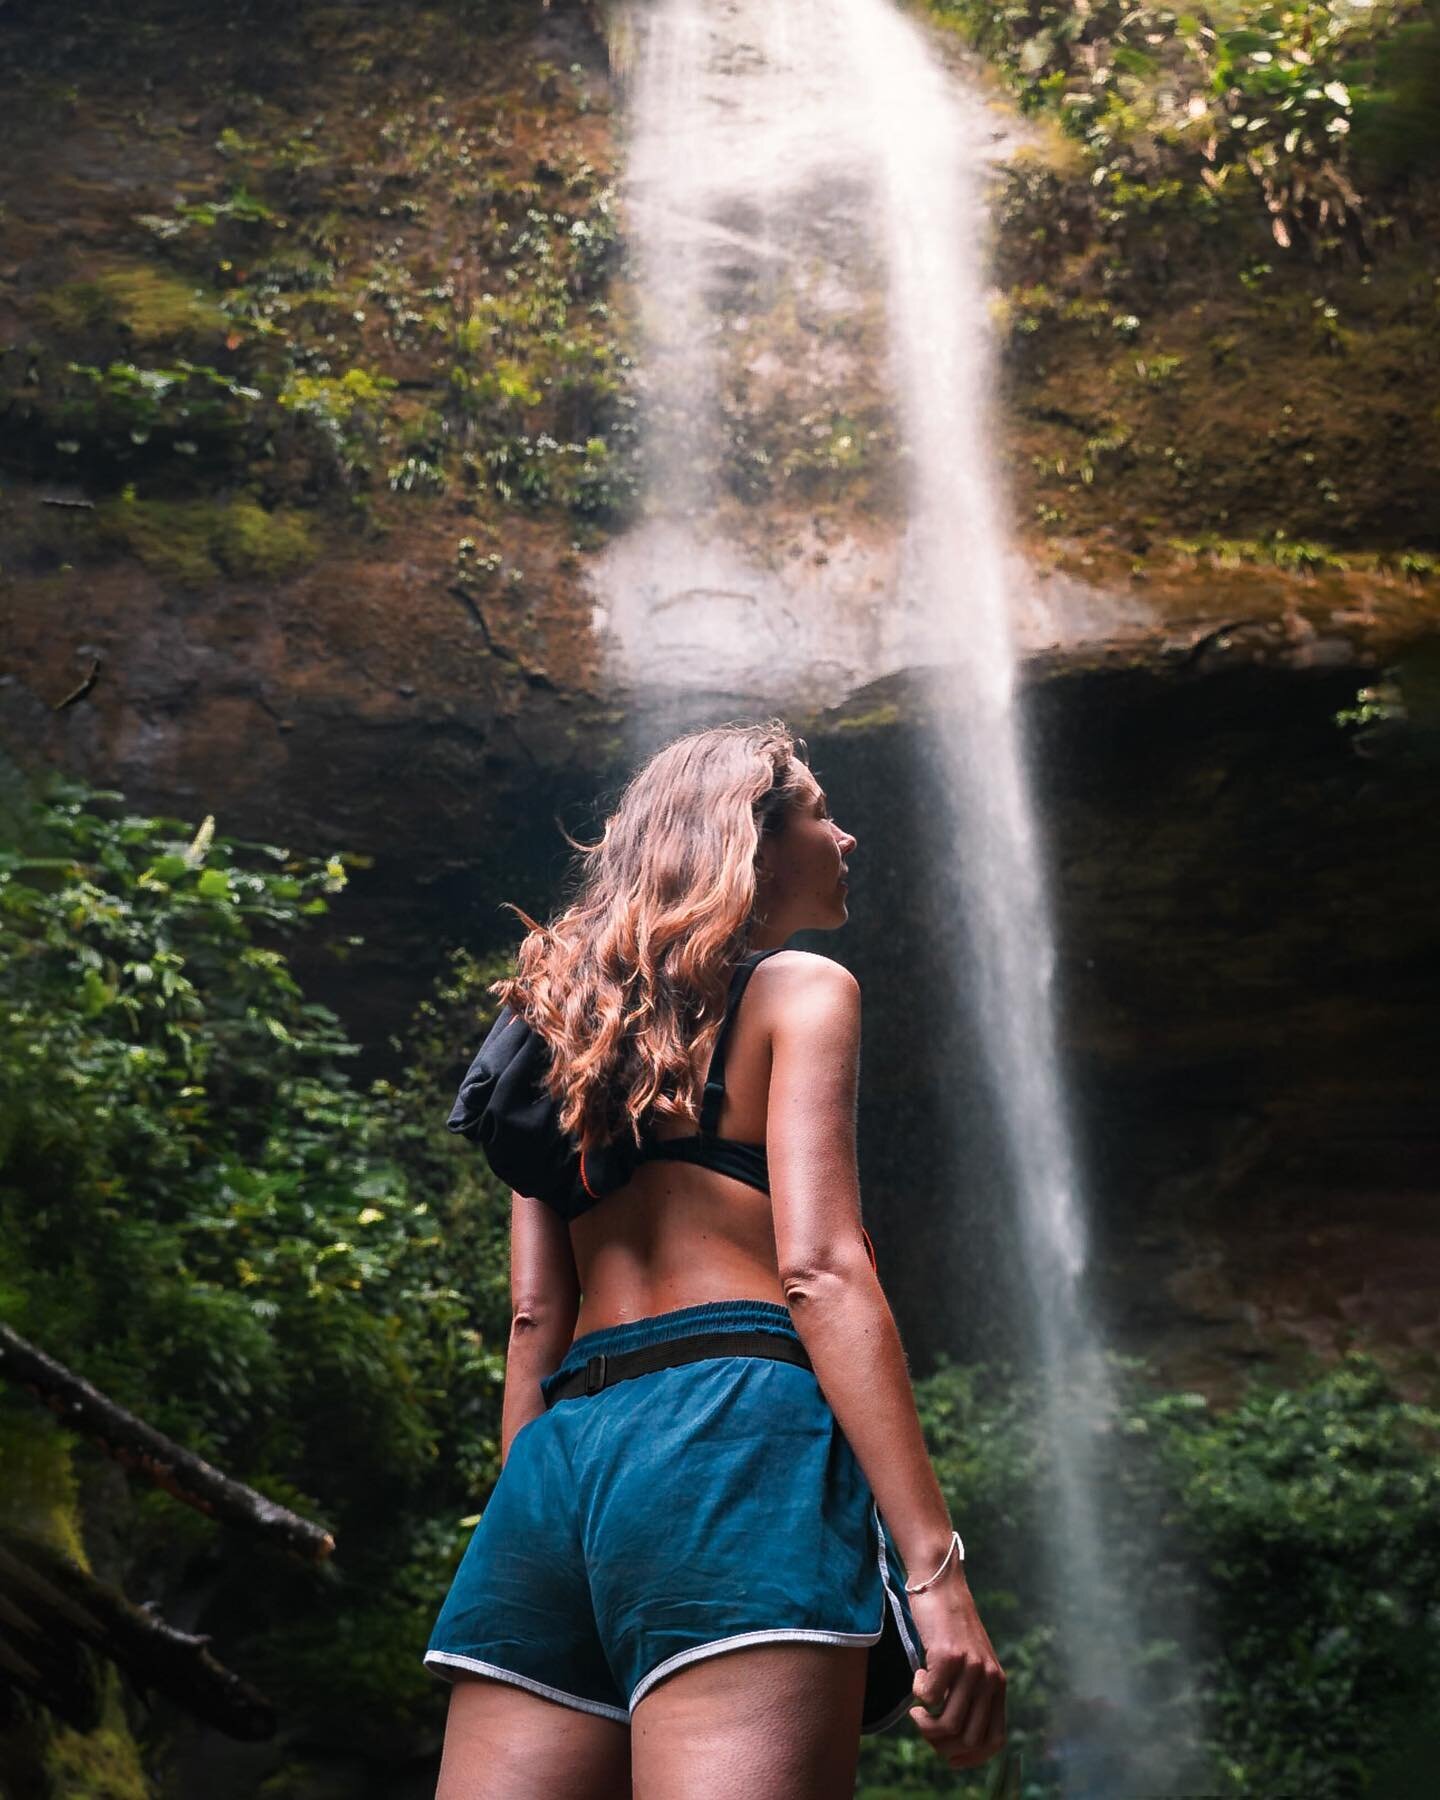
[[961, 1689]]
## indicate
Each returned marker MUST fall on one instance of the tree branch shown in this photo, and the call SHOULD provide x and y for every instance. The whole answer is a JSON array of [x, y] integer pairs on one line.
[[139, 1447], [47, 1602]]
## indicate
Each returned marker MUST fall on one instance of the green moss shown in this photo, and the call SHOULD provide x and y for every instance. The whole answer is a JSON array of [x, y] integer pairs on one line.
[[878, 718], [156, 307], [251, 541], [172, 539], [76, 309], [38, 1495], [192, 542], [37, 1482], [103, 1764]]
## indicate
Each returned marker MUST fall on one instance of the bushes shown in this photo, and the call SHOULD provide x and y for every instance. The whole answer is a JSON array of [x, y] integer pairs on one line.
[[1316, 1516], [202, 1211], [1301, 1526], [1258, 93]]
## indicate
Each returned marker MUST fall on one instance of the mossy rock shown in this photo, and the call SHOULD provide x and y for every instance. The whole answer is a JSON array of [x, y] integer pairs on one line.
[[103, 1764], [194, 542], [152, 305], [38, 1493], [38, 1755], [253, 542]]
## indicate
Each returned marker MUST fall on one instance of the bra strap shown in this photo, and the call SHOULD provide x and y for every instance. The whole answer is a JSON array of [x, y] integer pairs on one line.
[[714, 1094]]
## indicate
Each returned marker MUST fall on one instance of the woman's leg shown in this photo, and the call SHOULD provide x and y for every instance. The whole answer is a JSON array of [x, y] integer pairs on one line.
[[776, 1722], [505, 1743]]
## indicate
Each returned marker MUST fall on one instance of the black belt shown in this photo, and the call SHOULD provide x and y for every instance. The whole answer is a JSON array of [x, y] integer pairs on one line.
[[604, 1371]]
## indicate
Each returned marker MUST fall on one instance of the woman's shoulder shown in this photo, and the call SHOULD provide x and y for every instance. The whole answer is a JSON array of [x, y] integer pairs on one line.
[[796, 974]]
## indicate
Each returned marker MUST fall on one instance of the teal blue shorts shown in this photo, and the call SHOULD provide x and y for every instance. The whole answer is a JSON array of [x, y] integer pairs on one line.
[[673, 1517]]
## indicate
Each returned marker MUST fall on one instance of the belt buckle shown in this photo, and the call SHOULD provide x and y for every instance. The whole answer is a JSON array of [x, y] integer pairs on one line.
[[594, 1374]]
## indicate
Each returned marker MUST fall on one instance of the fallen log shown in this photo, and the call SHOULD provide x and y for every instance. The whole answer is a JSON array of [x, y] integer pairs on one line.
[[49, 1604], [147, 1452]]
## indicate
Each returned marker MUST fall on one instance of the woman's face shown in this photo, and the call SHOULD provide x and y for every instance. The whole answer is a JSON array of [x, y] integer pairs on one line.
[[801, 869]]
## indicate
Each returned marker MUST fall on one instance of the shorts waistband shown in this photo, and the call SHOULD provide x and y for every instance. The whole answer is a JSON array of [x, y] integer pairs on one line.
[[685, 1321]]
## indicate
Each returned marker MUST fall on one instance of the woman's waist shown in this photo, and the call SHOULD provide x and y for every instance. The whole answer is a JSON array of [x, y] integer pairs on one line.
[[639, 1255], [613, 1337]]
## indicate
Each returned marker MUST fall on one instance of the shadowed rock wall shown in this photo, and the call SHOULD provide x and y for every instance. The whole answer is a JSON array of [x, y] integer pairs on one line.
[[1249, 961]]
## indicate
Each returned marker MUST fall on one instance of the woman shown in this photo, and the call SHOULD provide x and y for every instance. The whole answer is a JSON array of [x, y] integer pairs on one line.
[[681, 1587]]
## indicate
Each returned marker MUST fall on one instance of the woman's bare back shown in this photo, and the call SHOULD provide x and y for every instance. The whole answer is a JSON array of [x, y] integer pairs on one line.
[[678, 1234]]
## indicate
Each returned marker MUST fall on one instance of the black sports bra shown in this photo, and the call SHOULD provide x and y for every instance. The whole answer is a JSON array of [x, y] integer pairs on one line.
[[729, 1156]]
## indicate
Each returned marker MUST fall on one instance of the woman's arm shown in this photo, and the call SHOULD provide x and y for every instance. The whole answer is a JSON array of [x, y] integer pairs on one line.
[[544, 1304], [847, 1327]]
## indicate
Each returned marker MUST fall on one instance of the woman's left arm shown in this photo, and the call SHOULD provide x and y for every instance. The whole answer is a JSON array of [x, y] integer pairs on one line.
[[544, 1304]]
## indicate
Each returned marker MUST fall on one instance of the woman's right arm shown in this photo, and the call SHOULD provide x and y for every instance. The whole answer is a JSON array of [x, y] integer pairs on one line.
[[848, 1330], [544, 1304]]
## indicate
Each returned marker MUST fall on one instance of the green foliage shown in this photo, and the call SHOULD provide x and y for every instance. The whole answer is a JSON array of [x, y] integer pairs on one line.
[[830, 445], [345, 412], [537, 377], [985, 1431], [298, 1277], [289, 268], [148, 304], [1397, 110], [1303, 1526], [105, 419], [1247, 92], [1316, 1515], [204, 215], [1278, 551]]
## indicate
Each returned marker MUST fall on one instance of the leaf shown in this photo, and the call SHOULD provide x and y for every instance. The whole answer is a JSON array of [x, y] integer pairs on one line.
[[1133, 62], [167, 868], [95, 993], [214, 884]]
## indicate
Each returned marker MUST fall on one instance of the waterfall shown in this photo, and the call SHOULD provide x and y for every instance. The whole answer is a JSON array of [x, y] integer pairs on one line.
[[815, 164]]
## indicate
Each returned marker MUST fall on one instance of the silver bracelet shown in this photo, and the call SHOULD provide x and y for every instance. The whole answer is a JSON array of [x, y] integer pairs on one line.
[[957, 1549]]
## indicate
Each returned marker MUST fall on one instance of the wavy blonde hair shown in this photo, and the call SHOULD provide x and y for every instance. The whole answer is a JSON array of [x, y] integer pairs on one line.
[[633, 974]]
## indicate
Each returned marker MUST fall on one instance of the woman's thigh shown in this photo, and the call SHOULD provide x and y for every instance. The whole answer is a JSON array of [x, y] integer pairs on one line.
[[505, 1743], [776, 1722]]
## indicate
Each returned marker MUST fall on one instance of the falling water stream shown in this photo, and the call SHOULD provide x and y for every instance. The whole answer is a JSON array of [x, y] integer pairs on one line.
[[812, 165]]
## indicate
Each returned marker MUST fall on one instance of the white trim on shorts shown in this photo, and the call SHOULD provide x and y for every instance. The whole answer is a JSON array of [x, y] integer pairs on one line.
[[802, 1635], [912, 1649], [439, 1660], [780, 1634]]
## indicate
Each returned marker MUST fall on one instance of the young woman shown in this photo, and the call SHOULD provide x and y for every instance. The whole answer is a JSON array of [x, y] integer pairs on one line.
[[687, 1583]]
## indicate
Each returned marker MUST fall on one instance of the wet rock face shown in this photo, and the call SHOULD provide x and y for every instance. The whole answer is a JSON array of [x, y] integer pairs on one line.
[[1247, 979], [363, 707]]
